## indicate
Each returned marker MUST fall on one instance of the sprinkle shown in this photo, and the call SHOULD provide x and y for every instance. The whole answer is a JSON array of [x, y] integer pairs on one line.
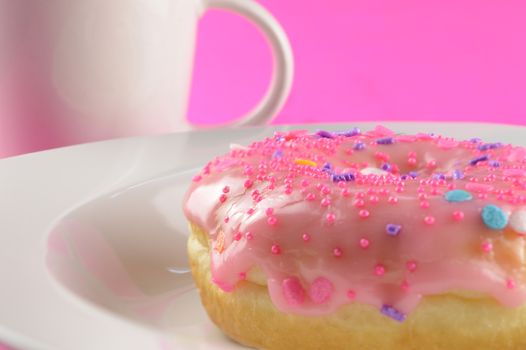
[[458, 196], [393, 229], [350, 133], [222, 198], [429, 220], [330, 218], [364, 243], [272, 221], [386, 167], [249, 236], [351, 294], [385, 141], [325, 202], [364, 213], [275, 249], [337, 252], [392, 200], [494, 217], [269, 211], [488, 146], [458, 215], [277, 154], [477, 160], [306, 237], [411, 161], [510, 283], [494, 163], [325, 134], [320, 290], [458, 175], [293, 291], [393, 313], [242, 276], [251, 211], [431, 164], [238, 236], [358, 146], [248, 183], [305, 162], [342, 177], [404, 285], [379, 270], [487, 247], [424, 204], [518, 221], [411, 265], [310, 197], [327, 167], [197, 178], [226, 189]]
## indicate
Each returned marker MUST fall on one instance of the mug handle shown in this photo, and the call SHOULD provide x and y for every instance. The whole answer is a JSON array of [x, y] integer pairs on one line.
[[283, 71]]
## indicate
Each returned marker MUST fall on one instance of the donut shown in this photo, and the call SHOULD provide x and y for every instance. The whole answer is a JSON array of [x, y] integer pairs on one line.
[[362, 240]]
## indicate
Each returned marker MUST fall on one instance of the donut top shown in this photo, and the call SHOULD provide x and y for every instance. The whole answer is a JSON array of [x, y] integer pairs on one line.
[[369, 217]]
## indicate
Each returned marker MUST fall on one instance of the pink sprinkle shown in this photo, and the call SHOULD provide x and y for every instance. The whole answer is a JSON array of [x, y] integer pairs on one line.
[[429, 220], [337, 252], [431, 164], [238, 236], [249, 236], [359, 203], [458, 215], [226, 189], [310, 197], [424, 204], [487, 247], [304, 183], [342, 184], [248, 183], [325, 190], [346, 192], [250, 211], [306, 237], [275, 249], [404, 285], [293, 291], [364, 243], [360, 195], [351, 294], [374, 199], [411, 161], [330, 218], [222, 198], [379, 270], [392, 200], [364, 213], [325, 202], [197, 178], [272, 220], [510, 283], [411, 265], [269, 211], [242, 276], [320, 290], [226, 220]]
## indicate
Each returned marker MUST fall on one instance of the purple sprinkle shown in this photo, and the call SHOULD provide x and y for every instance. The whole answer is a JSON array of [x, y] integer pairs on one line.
[[458, 175], [385, 141], [350, 133], [343, 177], [390, 311], [439, 176], [325, 134], [476, 160], [277, 154], [413, 174], [488, 146], [386, 167], [393, 229], [494, 163], [404, 177], [327, 167], [358, 146], [475, 140]]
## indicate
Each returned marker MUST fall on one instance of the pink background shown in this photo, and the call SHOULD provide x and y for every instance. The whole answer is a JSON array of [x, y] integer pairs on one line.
[[451, 60]]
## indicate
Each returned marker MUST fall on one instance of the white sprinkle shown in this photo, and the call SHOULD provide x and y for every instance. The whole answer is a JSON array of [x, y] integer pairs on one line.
[[375, 171], [518, 221]]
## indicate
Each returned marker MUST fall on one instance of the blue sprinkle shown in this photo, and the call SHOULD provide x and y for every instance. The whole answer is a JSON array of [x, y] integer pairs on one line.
[[488, 146], [494, 163], [392, 229], [413, 174], [458, 196], [277, 154], [458, 175], [350, 133], [358, 146], [494, 217], [390, 311], [385, 141], [325, 134], [386, 167], [474, 161]]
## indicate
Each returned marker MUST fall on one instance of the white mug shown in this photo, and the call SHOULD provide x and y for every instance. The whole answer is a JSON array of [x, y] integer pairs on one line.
[[84, 70]]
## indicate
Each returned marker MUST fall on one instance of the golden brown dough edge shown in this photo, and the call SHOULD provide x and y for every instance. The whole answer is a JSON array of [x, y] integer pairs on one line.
[[443, 322]]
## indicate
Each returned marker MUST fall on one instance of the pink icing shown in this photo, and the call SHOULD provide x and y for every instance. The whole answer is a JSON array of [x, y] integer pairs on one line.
[[284, 205]]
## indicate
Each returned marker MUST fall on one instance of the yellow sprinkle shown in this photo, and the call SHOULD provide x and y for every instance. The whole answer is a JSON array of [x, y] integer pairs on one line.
[[305, 162]]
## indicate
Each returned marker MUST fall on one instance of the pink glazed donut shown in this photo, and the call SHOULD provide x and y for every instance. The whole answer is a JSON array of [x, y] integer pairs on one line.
[[363, 240]]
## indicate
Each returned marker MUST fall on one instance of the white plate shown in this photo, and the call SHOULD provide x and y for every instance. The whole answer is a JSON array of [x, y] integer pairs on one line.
[[92, 239]]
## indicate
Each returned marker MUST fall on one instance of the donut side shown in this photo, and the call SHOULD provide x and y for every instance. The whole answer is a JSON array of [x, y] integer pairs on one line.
[[448, 321]]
